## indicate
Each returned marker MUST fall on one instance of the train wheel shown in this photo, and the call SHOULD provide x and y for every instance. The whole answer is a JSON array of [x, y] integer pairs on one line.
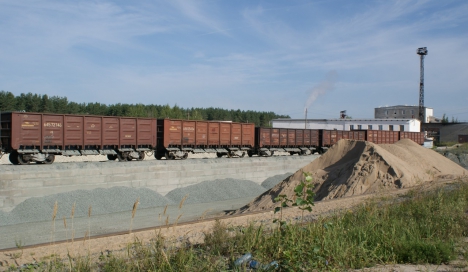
[[121, 157], [21, 159], [13, 157], [271, 153], [229, 154], [219, 155], [141, 156], [112, 157], [169, 155], [242, 155], [250, 153], [185, 156], [49, 159], [158, 155]]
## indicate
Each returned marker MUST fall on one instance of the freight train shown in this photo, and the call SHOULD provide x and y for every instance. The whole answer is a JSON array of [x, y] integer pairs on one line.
[[37, 137]]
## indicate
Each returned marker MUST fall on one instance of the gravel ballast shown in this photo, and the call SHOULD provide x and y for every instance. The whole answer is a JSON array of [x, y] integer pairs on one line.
[[216, 190], [102, 201]]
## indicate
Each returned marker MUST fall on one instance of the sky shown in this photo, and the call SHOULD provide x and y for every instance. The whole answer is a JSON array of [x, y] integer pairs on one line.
[[280, 56]]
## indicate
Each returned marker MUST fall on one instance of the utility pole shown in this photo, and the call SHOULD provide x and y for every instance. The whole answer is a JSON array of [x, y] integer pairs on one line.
[[422, 51], [305, 123]]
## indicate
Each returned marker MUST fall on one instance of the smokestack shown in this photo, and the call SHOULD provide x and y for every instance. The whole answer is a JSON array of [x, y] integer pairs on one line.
[[305, 123]]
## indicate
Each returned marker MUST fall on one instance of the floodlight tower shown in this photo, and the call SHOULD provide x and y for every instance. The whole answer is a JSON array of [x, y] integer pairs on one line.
[[422, 51]]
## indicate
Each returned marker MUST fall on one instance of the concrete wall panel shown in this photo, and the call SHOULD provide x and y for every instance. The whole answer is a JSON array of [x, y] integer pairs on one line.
[[18, 183]]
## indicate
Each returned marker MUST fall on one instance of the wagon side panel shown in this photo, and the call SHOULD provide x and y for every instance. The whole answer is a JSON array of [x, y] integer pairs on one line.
[[214, 134], [92, 132], [128, 132], [52, 131], [145, 133], [73, 132], [306, 134], [248, 135], [236, 134], [275, 137], [188, 133], [201, 137], [225, 133], [299, 137], [26, 131], [283, 137], [264, 137], [172, 130], [110, 132]]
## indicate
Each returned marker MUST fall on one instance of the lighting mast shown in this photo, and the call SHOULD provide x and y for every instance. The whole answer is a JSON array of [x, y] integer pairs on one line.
[[422, 51]]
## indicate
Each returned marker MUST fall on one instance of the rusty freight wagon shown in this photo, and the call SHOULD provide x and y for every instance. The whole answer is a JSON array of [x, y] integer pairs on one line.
[[267, 141], [382, 136], [178, 138], [37, 137], [462, 139], [294, 141], [417, 137]]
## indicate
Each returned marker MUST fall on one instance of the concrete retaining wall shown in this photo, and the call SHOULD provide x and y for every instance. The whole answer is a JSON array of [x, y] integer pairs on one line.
[[18, 183]]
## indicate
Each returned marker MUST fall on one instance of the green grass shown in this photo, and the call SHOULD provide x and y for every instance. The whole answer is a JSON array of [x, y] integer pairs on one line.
[[418, 228], [462, 147]]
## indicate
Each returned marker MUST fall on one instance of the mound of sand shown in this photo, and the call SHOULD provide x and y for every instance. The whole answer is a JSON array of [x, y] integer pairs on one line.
[[356, 167]]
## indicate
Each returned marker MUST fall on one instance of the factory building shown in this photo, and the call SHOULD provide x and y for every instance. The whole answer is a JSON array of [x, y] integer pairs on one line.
[[412, 125], [404, 112]]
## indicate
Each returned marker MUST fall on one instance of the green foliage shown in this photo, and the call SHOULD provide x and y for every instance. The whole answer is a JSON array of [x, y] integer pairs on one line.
[[43, 103], [445, 119], [303, 198], [419, 228]]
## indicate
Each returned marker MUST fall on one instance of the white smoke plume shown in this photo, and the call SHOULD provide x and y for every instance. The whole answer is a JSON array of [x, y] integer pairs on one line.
[[327, 84]]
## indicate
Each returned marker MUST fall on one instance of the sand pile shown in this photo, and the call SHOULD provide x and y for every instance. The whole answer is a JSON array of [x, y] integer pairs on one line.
[[356, 167]]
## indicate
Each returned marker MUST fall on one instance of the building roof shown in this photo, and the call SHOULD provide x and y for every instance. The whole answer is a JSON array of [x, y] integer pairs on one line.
[[339, 119], [401, 106]]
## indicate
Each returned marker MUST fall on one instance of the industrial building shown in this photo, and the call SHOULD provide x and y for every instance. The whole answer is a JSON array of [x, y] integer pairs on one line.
[[405, 112], [412, 125]]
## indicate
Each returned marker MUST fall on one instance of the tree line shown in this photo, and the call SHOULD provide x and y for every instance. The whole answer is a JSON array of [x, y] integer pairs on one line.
[[56, 104]]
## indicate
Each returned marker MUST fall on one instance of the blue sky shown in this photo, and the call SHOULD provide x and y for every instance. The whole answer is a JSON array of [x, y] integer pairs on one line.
[[276, 56]]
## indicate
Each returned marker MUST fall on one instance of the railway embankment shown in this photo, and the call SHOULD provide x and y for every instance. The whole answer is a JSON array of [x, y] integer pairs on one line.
[[18, 183]]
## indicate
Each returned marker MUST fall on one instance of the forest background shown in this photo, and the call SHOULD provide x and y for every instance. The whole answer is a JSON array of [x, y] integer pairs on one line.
[[55, 104]]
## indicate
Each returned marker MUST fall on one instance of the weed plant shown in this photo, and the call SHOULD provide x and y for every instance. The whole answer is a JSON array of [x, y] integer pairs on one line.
[[418, 228]]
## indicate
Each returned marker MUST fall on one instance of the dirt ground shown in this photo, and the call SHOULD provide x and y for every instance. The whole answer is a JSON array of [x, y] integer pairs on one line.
[[194, 233]]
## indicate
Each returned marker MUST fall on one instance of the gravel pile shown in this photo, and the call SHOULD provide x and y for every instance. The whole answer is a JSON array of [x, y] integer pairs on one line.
[[216, 190], [102, 201], [272, 181], [119, 199], [461, 159]]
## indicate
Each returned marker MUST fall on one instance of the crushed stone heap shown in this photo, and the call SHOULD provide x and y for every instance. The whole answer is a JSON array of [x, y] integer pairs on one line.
[[353, 167]]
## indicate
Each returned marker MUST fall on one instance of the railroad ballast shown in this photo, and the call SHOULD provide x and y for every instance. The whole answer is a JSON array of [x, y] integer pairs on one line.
[[37, 137]]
